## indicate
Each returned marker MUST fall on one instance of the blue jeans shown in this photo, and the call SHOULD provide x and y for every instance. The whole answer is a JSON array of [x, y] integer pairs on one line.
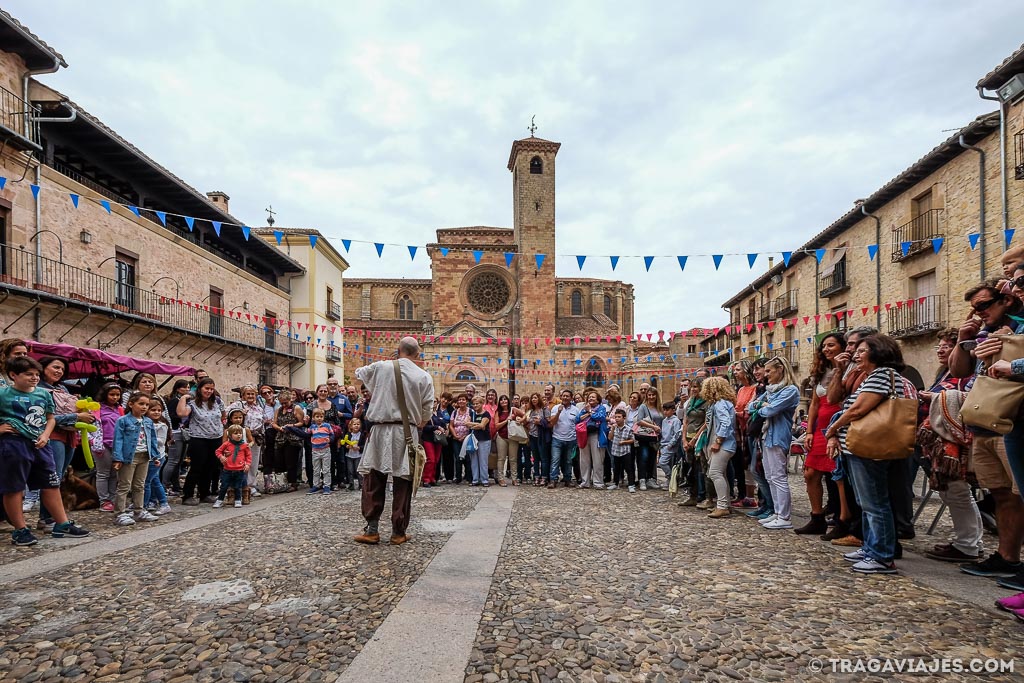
[[155, 491], [541, 456], [1014, 442], [762, 483], [646, 452], [524, 462], [561, 452], [231, 479], [478, 461], [61, 460], [871, 484]]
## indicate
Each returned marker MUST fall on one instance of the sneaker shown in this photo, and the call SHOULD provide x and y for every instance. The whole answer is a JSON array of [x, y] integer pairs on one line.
[[643, 485], [688, 503], [1011, 603], [744, 504], [856, 556], [328, 490], [767, 520], [720, 512], [704, 505], [69, 528], [758, 512], [191, 502], [107, 506], [870, 566], [45, 525], [151, 507], [28, 504], [1015, 582], [255, 493], [146, 516], [994, 566], [238, 503], [312, 490], [599, 487], [612, 487], [164, 509], [209, 499], [218, 503], [23, 537], [124, 519], [779, 523], [632, 489], [765, 515]]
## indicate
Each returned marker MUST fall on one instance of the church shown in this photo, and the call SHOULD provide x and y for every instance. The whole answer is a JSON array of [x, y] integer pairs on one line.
[[499, 284]]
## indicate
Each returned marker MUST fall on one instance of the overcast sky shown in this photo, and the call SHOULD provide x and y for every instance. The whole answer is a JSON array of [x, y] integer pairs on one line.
[[686, 128]]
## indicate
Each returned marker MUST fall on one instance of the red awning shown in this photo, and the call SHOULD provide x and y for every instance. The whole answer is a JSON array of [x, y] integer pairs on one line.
[[85, 362]]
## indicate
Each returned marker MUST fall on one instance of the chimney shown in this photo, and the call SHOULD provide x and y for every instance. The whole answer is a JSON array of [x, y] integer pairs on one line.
[[219, 199], [771, 262]]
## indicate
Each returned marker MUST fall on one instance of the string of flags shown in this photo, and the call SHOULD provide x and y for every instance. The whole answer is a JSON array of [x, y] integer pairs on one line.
[[936, 243]]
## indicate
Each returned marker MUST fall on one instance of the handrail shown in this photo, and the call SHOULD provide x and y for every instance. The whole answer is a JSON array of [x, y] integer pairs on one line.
[[919, 232]]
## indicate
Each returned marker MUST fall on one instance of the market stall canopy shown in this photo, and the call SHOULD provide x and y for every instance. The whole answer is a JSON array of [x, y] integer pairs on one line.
[[89, 362]]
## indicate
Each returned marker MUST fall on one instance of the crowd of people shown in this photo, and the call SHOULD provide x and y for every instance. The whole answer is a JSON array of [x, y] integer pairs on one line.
[[723, 442]]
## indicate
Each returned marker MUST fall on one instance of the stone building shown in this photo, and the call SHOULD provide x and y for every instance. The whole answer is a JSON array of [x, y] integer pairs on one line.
[[970, 188], [499, 284], [112, 279]]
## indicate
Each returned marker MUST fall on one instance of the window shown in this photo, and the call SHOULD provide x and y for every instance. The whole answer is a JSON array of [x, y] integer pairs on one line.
[[330, 298], [125, 273], [536, 166], [465, 376], [405, 307], [921, 205], [609, 307], [691, 348], [577, 302], [923, 285], [269, 336], [5, 221], [594, 376], [216, 311]]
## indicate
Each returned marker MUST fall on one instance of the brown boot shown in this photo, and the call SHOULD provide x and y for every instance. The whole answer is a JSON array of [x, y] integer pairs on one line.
[[720, 512], [399, 539], [246, 496], [367, 538], [230, 497]]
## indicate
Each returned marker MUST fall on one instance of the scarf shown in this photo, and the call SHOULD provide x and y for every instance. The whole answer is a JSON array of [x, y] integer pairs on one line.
[[944, 439]]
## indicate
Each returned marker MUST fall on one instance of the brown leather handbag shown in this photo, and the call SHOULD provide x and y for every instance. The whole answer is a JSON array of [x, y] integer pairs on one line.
[[994, 404], [888, 432]]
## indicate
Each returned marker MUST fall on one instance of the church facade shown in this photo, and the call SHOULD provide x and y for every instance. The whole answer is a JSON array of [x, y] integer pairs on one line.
[[546, 329]]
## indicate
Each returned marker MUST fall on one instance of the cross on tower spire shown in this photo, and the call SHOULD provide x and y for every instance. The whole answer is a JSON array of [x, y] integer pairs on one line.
[[270, 215], [533, 125]]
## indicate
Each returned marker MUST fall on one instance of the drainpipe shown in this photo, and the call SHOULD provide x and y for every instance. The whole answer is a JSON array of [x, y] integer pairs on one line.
[[981, 193], [1002, 154], [878, 265], [58, 119]]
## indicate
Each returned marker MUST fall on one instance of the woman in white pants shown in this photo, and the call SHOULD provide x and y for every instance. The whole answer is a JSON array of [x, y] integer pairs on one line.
[[720, 398], [595, 414], [777, 407]]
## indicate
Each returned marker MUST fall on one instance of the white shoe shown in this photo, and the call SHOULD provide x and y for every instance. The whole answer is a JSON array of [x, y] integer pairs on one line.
[[27, 504], [254, 492], [599, 486], [779, 523], [632, 489], [124, 519], [238, 503], [612, 487], [218, 503], [767, 520], [856, 556], [643, 485], [146, 516], [164, 510]]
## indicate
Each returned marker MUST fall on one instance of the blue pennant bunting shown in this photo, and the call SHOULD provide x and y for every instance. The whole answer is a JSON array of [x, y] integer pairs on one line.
[[3, 182], [973, 238], [682, 262], [35, 191], [135, 210], [717, 258], [312, 240], [412, 253], [648, 260], [74, 198], [216, 225], [477, 255], [509, 255], [246, 230], [819, 254], [1008, 234], [614, 260], [905, 247], [937, 244], [162, 215], [786, 256], [278, 235], [872, 251], [580, 260], [540, 260], [103, 202], [191, 222], [347, 244], [751, 258], [380, 248]]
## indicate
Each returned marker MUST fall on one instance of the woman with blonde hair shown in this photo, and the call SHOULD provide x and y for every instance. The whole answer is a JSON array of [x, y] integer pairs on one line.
[[776, 407], [720, 398], [649, 418]]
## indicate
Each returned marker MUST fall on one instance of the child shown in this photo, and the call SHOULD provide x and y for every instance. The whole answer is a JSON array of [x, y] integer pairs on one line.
[[236, 457], [156, 495], [237, 417], [26, 422], [109, 398], [482, 432], [353, 445], [134, 446], [320, 436], [671, 428], [622, 451]]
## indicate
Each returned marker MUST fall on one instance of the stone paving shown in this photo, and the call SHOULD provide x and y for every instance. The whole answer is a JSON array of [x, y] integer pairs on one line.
[[589, 586]]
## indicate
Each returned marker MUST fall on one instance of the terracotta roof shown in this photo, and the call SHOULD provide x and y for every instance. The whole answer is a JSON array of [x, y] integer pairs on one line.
[[32, 37], [929, 163], [531, 145], [1011, 66]]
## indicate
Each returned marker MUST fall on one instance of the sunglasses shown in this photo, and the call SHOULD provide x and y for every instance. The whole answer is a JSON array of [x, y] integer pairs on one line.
[[986, 304], [1018, 282]]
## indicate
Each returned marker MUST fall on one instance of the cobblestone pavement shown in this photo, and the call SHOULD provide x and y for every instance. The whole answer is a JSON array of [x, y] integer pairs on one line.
[[609, 586], [281, 594]]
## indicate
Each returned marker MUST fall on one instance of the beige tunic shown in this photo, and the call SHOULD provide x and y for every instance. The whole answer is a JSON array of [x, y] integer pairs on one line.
[[385, 447]]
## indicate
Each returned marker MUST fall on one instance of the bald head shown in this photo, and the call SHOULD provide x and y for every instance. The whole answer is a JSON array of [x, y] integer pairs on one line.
[[408, 347]]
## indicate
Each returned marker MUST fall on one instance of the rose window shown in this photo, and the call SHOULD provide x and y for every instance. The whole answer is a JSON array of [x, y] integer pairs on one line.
[[488, 293]]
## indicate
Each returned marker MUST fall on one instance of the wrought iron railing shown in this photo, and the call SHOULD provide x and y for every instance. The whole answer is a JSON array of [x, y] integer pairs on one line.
[[18, 118], [734, 329], [81, 179], [789, 352], [25, 270], [916, 235], [765, 312], [749, 318], [785, 304], [835, 281], [334, 310], [333, 353], [1018, 155], [920, 317]]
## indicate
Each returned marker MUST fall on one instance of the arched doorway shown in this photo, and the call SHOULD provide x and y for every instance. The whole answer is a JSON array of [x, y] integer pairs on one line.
[[595, 374]]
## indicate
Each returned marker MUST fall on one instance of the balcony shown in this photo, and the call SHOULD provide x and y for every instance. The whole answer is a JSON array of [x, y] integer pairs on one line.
[[835, 281], [60, 283], [785, 304], [734, 329], [1018, 155], [334, 310], [334, 354], [920, 318], [765, 312], [749, 319], [790, 353], [919, 232], [18, 125]]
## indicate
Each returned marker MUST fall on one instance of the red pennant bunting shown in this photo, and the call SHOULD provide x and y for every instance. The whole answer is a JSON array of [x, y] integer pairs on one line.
[[817, 318], [760, 326], [807, 319], [771, 325], [876, 308], [864, 311]]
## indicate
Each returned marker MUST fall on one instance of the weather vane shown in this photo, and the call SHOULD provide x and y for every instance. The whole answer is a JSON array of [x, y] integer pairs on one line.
[[270, 215], [533, 125]]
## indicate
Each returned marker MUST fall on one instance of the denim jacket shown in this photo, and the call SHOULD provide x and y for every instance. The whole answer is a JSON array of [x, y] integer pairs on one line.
[[599, 419], [721, 422], [126, 438], [777, 411]]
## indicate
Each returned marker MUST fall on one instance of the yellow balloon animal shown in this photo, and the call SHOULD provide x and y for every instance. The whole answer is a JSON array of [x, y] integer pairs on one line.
[[86, 405]]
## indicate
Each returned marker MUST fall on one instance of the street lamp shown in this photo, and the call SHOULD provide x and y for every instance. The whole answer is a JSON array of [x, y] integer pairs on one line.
[[60, 243], [177, 285]]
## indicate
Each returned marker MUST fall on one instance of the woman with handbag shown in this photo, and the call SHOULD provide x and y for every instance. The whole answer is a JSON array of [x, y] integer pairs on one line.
[[540, 438], [776, 409], [647, 431], [458, 430], [594, 418], [431, 436], [503, 415], [880, 358]]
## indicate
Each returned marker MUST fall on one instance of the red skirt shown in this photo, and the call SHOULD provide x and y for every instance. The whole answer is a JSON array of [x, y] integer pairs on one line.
[[817, 458]]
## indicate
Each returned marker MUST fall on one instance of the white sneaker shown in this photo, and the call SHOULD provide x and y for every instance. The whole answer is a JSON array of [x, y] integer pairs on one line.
[[238, 503], [598, 487], [612, 487], [779, 523], [254, 492], [164, 510], [218, 503], [146, 516], [124, 519], [767, 520], [632, 489], [28, 504], [856, 556], [643, 485]]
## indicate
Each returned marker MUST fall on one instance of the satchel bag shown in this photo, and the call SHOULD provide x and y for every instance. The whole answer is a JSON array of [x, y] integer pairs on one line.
[[992, 404], [581, 434], [517, 433], [888, 432], [417, 455]]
